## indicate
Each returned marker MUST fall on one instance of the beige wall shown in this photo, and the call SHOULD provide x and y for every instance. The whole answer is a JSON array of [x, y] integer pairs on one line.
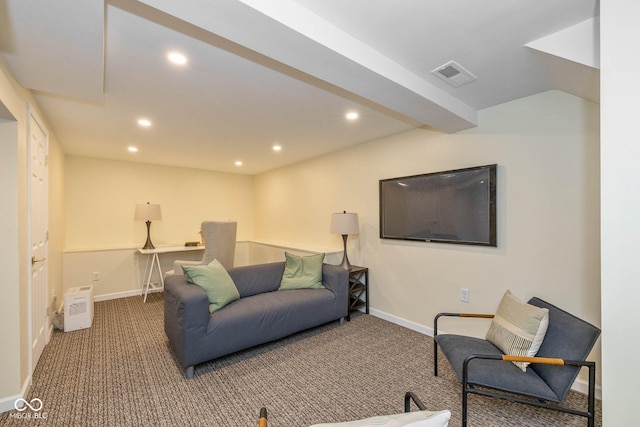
[[101, 234], [101, 196], [122, 271], [547, 150], [15, 351], [9, 261]]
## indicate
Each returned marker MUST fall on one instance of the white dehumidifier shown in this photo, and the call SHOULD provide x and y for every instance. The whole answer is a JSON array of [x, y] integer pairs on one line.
[[78, 308]]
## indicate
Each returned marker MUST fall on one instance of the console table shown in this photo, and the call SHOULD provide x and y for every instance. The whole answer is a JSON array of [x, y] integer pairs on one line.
[[358, 289], [152, 255]]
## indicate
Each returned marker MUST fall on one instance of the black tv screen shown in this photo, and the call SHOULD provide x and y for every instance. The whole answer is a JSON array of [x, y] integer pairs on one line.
[[456, 206]]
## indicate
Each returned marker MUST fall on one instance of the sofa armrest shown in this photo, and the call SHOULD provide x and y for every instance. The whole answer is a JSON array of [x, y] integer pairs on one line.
[[186, 316], [336, 279]]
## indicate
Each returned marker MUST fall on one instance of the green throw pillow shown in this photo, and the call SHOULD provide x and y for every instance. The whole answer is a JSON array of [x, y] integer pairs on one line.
[[215, 281], [302, 272]]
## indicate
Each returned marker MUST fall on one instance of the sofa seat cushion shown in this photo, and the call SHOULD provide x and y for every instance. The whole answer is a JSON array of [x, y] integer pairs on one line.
[[271, 309], [262, 318], [497, 374]]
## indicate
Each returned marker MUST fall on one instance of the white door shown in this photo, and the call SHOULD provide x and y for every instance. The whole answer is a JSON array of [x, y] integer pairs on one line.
[[39, 207]]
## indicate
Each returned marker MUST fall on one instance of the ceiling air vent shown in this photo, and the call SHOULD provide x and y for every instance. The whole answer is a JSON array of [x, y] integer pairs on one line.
[[454, 74]]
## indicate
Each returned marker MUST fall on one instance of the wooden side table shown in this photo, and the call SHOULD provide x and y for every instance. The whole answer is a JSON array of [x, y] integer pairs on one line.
[[358, 289]]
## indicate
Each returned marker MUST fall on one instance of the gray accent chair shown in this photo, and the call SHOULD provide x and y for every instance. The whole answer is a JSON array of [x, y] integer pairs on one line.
[[219, 242], [483, 369]]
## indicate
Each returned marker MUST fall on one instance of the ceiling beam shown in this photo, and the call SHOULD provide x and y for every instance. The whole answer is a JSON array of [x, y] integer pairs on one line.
[[291, 34], [579, 43], [73, 69]]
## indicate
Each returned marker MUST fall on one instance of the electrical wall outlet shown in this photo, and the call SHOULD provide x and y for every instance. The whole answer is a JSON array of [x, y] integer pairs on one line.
[[464, 294], [95, 276]]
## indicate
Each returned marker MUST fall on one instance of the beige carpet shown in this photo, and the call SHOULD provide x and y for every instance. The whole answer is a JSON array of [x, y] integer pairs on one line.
[[121, 372]]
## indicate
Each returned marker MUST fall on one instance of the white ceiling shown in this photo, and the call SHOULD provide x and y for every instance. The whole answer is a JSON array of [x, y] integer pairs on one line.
[[265, 72]]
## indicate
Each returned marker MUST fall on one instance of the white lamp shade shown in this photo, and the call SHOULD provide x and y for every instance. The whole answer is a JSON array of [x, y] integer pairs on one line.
[[344, 223], [147, 212]]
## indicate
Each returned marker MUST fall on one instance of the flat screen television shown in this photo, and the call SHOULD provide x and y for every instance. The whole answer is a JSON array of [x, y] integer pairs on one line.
[[456, 206]]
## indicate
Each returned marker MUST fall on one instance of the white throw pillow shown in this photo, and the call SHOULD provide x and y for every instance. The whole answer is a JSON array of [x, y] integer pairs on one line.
[[407, 419], [518, 328]]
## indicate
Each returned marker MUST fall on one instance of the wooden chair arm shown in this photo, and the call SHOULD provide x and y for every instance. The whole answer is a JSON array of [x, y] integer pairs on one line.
[[262, 421], [478, 315], [474, 315], [539, 360]]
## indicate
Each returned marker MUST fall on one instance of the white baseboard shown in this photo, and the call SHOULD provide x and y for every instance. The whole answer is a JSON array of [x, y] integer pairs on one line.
[[125, 294], [8, 403], [579, 385], [402, 322], [582, 386]]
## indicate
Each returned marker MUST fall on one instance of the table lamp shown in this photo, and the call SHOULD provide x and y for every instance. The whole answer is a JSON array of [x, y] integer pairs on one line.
[[345, 223], [148, 212]]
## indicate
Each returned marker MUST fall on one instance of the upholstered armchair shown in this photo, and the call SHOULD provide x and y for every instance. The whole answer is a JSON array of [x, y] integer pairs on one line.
[[484, 369], [219, 243]]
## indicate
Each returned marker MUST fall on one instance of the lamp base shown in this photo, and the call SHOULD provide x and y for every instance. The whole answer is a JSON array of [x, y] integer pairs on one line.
[[345, 259], [148, 244]]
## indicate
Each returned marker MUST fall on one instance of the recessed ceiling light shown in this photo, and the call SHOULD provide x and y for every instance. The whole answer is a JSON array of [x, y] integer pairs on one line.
[[238, 163], [352, 115], [133, 149], [144, 122], [277, 147], [177, 58]]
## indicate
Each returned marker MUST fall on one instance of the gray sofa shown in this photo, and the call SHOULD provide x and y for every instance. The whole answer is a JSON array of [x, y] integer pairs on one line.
[[262, 314]]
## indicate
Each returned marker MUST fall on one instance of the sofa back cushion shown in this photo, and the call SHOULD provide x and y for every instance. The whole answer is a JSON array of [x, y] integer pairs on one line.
[[257, 279]]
